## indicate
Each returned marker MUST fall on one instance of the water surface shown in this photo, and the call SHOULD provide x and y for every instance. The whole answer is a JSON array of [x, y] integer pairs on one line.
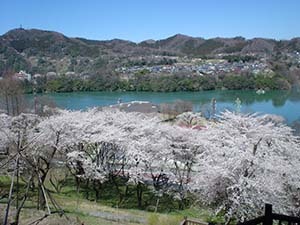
[[283, 103]]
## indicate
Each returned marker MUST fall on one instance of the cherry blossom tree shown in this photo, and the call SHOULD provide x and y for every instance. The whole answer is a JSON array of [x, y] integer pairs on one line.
[[14, 136], [231, 163], [248, 161], [235, 163], [144, 146]]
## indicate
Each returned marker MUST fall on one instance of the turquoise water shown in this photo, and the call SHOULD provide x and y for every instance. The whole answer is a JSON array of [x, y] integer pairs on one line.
[[284, 103]]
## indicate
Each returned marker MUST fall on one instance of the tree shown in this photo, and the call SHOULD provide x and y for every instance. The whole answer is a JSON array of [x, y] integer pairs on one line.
[[15, 132], [229, 162], [11, 95], [235, 163], [249, 160]]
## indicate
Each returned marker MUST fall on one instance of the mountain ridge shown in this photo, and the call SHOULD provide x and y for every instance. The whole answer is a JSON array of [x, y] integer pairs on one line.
[[40, 51], [178, 35]]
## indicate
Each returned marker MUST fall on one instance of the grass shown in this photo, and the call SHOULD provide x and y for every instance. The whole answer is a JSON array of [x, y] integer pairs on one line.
[[85, 209], [105, 211]]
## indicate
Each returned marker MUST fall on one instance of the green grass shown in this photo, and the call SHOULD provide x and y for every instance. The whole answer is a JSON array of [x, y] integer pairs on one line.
[[105, 210]]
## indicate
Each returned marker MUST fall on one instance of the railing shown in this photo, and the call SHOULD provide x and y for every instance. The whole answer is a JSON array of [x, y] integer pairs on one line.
[[266, 219], [269, 217], [187, 221]]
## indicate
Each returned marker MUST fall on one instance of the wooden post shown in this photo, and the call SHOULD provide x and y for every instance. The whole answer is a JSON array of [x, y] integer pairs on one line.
[[184, 221], [268, 215]]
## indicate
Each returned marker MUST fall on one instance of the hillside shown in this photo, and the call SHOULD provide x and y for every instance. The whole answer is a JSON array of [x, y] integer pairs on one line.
[[39, 51]]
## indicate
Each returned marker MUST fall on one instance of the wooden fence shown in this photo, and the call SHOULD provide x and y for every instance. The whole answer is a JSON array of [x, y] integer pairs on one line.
[[187, 221], [266, 219], [271, 217]]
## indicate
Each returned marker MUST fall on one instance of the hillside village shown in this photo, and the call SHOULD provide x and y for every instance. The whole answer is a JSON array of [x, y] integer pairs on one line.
[[190, 67], [200, 67], [56, 63]]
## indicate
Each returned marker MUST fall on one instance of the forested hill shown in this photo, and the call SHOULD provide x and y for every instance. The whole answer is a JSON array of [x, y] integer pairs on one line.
[[39, 51]]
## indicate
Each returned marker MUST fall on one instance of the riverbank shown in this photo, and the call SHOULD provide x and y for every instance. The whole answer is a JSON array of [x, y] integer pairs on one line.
[[163, 83]]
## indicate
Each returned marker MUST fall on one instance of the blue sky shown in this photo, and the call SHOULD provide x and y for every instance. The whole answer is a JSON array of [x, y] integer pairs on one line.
[[137, 20]]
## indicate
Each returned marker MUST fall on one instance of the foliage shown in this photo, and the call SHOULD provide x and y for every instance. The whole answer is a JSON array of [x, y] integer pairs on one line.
[[204, 49], [275, 82], [259, 81], [143, 81], [239, 58], [239, 82]]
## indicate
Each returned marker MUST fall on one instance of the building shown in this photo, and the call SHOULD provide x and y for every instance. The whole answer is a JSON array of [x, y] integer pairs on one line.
[[22, 75]]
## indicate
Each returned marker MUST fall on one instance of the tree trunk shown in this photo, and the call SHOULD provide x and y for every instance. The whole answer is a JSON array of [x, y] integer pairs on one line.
[[139, 192], [17, 105], [182, 197], [87, 189], [17, 185], [77, 190], [12, 106], [97, 186], [156, 206], [228, 221], [120, 194], [181, 205], [7, 103], [5, 221], [42, 200], [17, 217]]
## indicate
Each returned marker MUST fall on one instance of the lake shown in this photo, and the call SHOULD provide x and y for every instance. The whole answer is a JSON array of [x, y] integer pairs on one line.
[[283, 103]]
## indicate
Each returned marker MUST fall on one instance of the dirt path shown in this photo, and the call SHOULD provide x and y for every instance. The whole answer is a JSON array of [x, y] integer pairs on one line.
[[125, 218]]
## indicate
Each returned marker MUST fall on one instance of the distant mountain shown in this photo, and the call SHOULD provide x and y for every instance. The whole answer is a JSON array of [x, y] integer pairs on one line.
[[39, 51], [177, 43], [45, 43], [191, 46]]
